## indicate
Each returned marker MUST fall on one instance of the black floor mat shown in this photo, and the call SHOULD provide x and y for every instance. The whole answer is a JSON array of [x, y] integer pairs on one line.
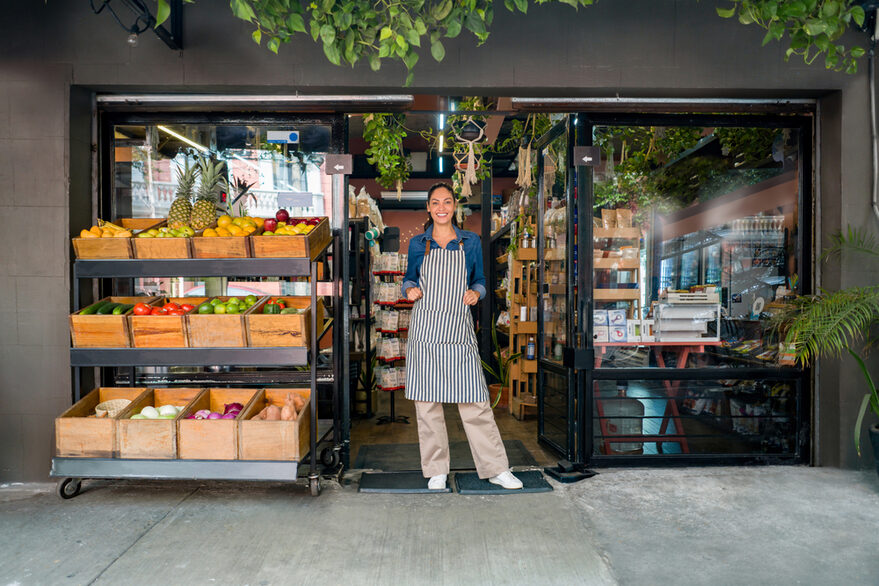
[[407, 457], [396, 482], [470, 483]]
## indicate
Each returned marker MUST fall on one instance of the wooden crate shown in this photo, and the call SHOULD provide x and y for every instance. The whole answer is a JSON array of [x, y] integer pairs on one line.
[[179, 247], [274, 440], [212, 439], [104, 331], [222, 246], [269, 330], [162, 331], [151, 438], [78, 433], [218, 331], [99, 248], [300, 246]]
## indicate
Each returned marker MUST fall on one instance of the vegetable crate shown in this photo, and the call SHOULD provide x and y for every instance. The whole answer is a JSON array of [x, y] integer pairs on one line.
[[275, 440], [95, 330], [177, 247], [80, 433], [272, 329], [299, 246], [218, 331], [103, 248], [151, 438], [212, 439], [162, 331]]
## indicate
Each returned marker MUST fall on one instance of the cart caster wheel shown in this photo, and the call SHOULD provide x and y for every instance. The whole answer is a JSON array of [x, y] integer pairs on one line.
[[69, 487], [314, 486], [329, 457]]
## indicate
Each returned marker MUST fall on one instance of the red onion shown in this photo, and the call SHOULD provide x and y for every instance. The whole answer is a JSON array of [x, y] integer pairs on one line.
[[214, 415], [232, 406], [229, 416]]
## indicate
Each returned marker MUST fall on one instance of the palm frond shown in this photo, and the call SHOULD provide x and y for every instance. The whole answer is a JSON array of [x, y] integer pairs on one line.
[[852, 240], [829, 322]]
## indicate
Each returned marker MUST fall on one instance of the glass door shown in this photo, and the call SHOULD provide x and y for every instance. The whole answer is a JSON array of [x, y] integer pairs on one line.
[[556, 277]]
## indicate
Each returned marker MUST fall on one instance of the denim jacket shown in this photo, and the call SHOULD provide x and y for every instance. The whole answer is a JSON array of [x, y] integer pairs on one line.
[[472, 246]]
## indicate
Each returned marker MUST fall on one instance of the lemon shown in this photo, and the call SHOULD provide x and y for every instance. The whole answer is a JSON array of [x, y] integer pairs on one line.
[[222, 231], [210, 233], [235, 230], [224, 220], [237, 221]]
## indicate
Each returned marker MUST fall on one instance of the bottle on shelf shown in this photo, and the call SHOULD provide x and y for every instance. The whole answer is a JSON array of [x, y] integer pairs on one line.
[[531, 349]]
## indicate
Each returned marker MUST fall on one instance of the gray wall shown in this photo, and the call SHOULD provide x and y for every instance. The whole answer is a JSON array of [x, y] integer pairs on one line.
[[53, 55]]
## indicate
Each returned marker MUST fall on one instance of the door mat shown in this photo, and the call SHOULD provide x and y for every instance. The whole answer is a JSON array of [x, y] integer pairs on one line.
[[399, 457], [470, 483], [397, 482]]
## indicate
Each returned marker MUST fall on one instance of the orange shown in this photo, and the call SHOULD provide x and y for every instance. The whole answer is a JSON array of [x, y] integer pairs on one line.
[[236, 230], [210, 233], [222, 231], [259, 222], [224, 220]]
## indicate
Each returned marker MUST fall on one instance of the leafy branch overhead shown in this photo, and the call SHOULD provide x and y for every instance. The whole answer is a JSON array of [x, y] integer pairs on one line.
[[814, 27], [375, 30]]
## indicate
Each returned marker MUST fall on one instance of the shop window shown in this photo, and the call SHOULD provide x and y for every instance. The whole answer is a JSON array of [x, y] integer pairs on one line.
[[673, 417], [695, 244]]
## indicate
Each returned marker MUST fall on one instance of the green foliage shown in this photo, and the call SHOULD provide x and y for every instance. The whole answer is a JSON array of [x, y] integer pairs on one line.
[[813, 27], [503, 361], [831, 322], [385, 134], [747, 145]]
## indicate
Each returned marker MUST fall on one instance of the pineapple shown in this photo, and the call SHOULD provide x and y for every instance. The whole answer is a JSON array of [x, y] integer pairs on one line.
[[213, 181], [181, 207]]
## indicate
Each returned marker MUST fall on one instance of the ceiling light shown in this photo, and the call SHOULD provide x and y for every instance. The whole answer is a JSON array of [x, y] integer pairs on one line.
[[200, 147]]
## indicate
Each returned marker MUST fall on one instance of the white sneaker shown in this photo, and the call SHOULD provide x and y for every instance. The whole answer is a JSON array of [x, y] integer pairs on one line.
[[437, 482], [506, 480]]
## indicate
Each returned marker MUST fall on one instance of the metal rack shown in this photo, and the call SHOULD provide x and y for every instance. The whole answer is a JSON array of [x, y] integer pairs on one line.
[[73, 470]]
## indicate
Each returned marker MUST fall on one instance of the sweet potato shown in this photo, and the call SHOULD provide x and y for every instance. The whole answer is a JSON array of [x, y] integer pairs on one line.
[[273, 413], [298, 402]]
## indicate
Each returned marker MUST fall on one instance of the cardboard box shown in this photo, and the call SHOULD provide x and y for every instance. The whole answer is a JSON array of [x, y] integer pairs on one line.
[[599, 317], [633, 330], [616, 317], [648, 333], [617, 333], [600, 334]]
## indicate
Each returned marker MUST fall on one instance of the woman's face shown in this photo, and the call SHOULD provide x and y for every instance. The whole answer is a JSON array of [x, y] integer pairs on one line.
[[441, 206]]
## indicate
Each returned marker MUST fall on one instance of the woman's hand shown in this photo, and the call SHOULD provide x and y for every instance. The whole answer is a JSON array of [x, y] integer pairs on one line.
[[413, 294], [471, 297]]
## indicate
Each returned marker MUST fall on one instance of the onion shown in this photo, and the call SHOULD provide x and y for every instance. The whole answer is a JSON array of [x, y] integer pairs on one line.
[[214, 416], [229, 416], [230, 406], [202, 414]]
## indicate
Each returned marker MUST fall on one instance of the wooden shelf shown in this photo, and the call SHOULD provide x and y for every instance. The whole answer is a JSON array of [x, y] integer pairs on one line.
[[616, 294], [617, 263], [616, 232]]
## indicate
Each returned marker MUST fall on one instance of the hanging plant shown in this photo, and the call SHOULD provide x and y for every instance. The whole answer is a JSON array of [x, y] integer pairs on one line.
[[385, 134], [813, 26]]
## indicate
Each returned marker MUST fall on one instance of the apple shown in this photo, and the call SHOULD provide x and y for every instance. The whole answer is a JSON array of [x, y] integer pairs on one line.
[[270, 225], [282, 215]]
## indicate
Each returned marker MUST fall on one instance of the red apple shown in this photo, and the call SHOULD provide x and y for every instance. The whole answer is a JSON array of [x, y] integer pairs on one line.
[[282, 215], [270, 224]]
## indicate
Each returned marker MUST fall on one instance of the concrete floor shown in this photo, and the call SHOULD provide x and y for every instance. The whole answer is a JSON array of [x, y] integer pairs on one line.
[[777, 525]]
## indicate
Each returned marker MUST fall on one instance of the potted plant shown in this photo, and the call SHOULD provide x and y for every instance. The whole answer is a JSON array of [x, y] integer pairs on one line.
[[831, 322], [502, 373]]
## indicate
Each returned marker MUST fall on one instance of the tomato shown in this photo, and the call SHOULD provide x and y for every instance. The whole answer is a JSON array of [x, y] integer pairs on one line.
[[142, 309], [159, 311], [282, 305], [170, 306], [187, 307], [177, 312]]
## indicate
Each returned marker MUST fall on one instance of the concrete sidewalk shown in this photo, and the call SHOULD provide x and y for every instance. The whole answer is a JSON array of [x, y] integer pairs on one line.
[[777, 525]]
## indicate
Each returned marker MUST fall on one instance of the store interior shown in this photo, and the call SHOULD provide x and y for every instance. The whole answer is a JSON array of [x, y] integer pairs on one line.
[[696, 237]]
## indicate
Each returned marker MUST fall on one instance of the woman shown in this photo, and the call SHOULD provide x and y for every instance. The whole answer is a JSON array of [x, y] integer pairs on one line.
[[444, 279]]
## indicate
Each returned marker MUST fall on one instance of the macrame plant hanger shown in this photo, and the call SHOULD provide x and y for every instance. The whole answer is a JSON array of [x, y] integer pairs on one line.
[[466, 162]]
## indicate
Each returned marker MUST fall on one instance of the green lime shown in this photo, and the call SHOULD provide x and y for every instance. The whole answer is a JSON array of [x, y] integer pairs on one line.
[[233, 308], [233, 300], [206, 308], [251, 299], [216, 300], [219, 308]]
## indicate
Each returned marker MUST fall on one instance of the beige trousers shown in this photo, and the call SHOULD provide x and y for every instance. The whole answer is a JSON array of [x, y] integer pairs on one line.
[[482, 434]]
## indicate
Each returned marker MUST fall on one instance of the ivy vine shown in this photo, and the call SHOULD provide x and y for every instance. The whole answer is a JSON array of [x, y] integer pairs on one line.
[[813, 27]]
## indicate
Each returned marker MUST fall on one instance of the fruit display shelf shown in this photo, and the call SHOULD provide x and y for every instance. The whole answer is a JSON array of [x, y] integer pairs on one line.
[[72, 471]]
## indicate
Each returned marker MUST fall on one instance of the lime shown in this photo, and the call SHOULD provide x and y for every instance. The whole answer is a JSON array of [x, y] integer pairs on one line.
[[219, 308], [216, 300], [233, 308], [251, 299], [234, 300], [206, 308]]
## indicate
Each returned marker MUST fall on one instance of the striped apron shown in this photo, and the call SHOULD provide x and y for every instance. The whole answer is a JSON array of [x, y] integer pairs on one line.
[[442, 358]]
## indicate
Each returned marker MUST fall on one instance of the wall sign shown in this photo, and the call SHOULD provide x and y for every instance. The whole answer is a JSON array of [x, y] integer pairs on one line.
[[587, 156], [339, 164], [282, 136]]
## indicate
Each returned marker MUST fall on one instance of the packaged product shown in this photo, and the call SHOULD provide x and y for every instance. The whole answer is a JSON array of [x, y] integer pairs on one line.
[[624, 218], [608, 219]]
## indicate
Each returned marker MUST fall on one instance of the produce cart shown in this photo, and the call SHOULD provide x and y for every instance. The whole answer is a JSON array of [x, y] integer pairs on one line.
[[72, 470]]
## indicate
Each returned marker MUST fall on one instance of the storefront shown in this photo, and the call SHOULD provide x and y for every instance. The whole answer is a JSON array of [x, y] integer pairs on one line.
[[713, 189]]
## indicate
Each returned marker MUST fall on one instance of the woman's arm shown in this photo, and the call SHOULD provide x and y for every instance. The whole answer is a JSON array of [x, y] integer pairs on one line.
[[477, 275], [413, 269]]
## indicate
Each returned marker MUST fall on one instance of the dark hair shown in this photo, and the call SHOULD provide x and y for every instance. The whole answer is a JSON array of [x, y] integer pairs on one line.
[[430, 191]]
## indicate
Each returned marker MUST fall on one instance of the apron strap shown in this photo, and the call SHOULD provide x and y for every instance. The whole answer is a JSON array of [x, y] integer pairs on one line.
[[427, 248]]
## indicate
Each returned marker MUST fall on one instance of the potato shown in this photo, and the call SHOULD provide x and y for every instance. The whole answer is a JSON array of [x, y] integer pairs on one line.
[[273, 413]]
